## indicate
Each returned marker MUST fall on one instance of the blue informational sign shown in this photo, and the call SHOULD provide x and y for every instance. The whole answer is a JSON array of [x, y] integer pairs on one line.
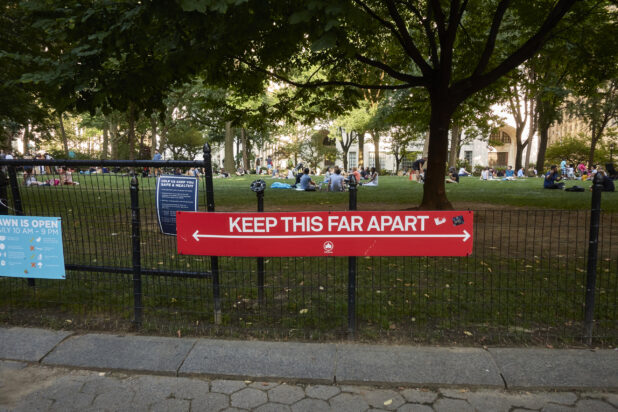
[[175, 193], [31, 247]]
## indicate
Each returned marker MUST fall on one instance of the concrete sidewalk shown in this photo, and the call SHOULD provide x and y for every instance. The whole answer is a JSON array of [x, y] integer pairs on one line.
[[326, 363]]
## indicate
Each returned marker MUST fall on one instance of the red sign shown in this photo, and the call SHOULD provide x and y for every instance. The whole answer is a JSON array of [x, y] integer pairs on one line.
[[325, 234]]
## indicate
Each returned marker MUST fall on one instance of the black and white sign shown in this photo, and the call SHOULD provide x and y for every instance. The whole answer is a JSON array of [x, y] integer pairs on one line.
[[175, 193]]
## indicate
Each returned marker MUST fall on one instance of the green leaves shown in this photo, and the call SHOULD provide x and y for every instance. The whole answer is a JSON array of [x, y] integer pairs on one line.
[[203, 6]]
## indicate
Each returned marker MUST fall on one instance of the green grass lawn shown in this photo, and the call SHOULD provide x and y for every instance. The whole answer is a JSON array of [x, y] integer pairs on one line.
[[401, 193], [524, 282], [393, 192]]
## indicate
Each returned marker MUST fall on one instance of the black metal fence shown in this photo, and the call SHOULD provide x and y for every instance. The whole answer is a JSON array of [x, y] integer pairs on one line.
[[526, 281]]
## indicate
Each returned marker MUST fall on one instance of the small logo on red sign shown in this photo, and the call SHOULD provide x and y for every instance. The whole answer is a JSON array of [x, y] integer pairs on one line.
[[328, 247]]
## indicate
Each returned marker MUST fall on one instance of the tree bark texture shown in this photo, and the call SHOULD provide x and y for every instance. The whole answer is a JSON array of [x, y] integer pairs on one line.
[[434, 191], [153, 135], [455, 145], [131, 133], [63, 136], [245, 149], [361, 149], [228, 162]]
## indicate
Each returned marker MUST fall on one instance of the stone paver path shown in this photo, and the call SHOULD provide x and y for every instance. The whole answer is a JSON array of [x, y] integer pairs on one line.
[[32, 387]]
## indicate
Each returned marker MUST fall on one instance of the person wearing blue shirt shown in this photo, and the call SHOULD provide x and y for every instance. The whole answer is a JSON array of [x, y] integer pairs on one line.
[[157, 156], [551, 178], [305, 181], [509, 172], [563, 166]]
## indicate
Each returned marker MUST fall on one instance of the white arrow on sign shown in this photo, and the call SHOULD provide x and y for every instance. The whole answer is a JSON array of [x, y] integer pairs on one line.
[[465, 236]]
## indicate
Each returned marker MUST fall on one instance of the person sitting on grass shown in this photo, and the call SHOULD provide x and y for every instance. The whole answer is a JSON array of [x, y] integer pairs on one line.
[[452, 176], [603, 179], [611, 171], [485, 174], [356, 174], [551, 178], [373, 179], [306, 183], [463, 172], [520, 172], [510, 173], [337, 183]]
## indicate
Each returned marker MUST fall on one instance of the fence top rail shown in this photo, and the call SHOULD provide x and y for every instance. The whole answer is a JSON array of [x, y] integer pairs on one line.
[[102, 163]]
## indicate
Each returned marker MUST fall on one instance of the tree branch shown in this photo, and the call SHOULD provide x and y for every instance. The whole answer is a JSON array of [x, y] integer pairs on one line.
[[433, 48], [408, 42], [284, 79], [491, 38], [387, 69], [439, 14], [472, 84], [399, 36]]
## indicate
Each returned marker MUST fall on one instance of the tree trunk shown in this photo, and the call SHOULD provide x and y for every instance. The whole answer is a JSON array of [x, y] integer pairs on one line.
[[228, 162], [163, 140], [26, 139], [131, 132], [345, 148], [113, 123], [426, 145], [434, 191], [519, 147], [455, 145], [361, 149], [140, 152], [153, 133], [528, 150], [375, 136], [63, 136], [245, 149], [540, 158], [534, 121], [105, 144], [593, 144], [544, 124]]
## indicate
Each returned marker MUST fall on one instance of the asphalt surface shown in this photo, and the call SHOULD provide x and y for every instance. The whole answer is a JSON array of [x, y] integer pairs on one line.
[[58, 370]]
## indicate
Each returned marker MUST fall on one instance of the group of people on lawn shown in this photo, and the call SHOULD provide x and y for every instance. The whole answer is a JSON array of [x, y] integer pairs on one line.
[[554, 178], [335, 180]]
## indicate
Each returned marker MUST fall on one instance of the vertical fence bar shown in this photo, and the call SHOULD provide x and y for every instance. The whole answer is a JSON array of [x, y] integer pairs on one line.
[[137, 264], [17, 205], [593, 247], [210, 206], [352, 267], [260, 260], [4, 196]]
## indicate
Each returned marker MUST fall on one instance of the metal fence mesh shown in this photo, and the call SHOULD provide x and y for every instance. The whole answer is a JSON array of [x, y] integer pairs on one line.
[[525, 281]]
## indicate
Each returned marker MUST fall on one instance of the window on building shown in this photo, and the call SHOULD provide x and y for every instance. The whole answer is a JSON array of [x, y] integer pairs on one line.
[[371, 159], [352, 160], [468, 156]]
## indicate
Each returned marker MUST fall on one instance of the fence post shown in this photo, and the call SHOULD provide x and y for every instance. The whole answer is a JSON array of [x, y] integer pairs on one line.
[[258, 187], [210, 206], [137, 263], [352, 266], [17, 206], [4, 196], [593, 247]]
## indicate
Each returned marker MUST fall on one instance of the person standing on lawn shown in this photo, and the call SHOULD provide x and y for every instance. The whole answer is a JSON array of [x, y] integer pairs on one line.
[[417, 167]]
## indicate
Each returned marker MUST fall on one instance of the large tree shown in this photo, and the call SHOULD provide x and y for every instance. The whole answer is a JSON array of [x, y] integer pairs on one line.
[[126, 53]]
